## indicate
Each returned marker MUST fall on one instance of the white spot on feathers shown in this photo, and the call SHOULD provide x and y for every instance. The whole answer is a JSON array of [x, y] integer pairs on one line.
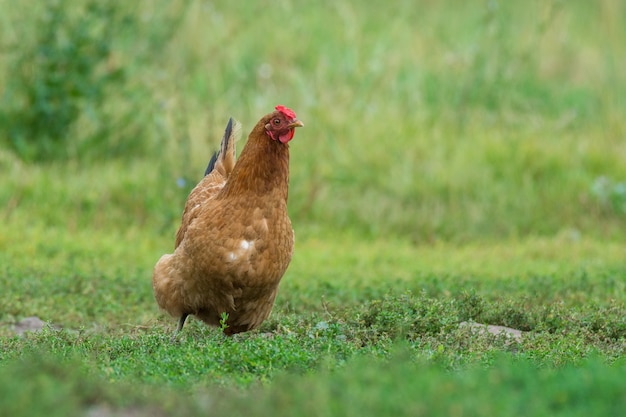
[[246, 244], [244, 250]]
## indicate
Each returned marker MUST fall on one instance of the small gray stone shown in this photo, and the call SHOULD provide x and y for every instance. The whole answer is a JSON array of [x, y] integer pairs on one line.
[[489, 328], [28, 324]]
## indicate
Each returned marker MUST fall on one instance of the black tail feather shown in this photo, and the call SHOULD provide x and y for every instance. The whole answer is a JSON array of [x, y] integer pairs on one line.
[[227, 134], [211, 165]]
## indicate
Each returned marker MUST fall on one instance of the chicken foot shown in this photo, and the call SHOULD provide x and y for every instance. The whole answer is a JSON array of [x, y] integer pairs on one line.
[[181, 323]]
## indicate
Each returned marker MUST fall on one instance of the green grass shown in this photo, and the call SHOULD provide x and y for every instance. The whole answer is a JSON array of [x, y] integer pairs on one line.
[[366, 387], [461, 161]]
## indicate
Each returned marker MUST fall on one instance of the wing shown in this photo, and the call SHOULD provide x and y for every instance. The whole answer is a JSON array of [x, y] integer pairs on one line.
[[218, 170]]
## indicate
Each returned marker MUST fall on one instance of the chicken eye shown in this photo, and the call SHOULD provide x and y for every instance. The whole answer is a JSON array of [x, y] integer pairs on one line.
[[276, 122]]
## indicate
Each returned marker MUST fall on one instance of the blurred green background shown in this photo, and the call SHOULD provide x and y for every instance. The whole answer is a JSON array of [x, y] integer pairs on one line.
[[449, 120]]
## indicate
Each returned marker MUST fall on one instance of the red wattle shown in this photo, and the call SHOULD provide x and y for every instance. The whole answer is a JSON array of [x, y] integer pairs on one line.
[[287, 136]]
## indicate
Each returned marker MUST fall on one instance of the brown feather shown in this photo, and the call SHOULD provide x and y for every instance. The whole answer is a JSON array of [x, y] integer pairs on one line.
[[235, 240]]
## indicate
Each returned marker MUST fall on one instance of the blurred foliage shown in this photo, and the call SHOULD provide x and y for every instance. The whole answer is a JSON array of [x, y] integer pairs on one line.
[[440, 121], [610, 193], [67, 95], [64, 73]]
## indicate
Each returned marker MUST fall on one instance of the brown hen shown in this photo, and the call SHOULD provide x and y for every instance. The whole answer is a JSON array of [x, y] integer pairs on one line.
[[235, 240]]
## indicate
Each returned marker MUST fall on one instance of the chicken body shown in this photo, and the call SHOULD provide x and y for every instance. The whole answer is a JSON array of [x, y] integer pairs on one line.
[[235, 240]]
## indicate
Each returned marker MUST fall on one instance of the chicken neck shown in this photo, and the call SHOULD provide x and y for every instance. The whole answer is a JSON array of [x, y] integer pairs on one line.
[[261, 169]]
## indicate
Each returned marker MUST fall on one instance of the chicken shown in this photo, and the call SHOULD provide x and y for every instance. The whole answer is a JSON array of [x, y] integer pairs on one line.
[[235, 240]]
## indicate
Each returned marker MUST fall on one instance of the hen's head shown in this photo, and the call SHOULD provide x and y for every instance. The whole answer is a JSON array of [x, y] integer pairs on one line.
[[281, 124]]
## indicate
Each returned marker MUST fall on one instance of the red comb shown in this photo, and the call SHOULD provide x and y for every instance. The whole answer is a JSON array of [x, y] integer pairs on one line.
[[286, 111]]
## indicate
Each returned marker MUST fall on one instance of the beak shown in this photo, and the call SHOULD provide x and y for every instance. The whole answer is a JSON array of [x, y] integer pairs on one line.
[[295, 123]]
